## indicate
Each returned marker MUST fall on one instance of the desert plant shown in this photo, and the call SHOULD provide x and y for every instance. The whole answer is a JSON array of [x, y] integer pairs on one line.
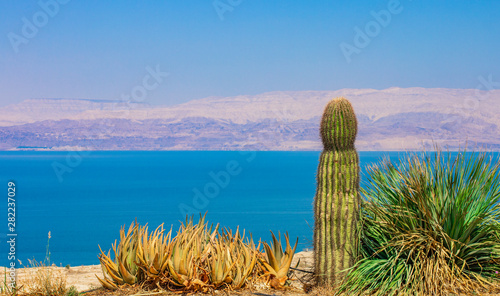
[[9, 287], [245, 254], [232, 259], [278, 262], [72, 291], [44, 280], [200, 258], [139, 256], [336, 204], [47, 252], [189, 250], [123, 269], [40, 279], [220, 264], [153, 251], [430, 226]]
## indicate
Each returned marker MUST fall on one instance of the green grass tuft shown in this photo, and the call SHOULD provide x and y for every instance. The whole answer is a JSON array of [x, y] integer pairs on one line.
[[430, 226]]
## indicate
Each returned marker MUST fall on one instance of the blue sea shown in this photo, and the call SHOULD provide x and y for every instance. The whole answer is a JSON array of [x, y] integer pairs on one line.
[[83, 198]]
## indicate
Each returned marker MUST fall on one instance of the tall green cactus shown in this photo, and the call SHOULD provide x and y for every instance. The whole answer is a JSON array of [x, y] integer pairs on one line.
[[336, 204]]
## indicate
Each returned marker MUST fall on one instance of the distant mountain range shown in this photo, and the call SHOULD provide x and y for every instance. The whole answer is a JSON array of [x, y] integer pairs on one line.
[[390, 119]]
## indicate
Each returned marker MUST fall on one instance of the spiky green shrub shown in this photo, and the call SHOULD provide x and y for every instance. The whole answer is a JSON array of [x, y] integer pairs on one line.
[[336, 204], [430, 226]]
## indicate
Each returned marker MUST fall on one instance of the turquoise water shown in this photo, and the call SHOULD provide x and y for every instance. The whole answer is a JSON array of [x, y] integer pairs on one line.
[[83, 198]]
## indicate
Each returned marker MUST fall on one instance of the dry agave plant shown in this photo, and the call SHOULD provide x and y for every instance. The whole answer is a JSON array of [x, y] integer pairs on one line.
[[153, 252], [232, 260], [188, 251], [278, 262], [123, 269], [200, 258], [205, 258]]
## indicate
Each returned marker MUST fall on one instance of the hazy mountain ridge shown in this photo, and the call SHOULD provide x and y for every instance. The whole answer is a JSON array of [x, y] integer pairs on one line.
[[34, 110], [391, 119]]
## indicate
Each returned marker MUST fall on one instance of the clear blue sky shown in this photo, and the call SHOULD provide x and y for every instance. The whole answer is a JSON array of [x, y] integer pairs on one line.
[[100, 49]]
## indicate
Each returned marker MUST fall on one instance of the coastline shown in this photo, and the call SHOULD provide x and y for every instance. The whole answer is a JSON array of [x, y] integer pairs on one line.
[[83, 277]]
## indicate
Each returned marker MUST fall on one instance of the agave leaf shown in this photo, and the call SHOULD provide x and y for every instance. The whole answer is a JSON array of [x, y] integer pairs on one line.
[[127, 277], [269, 269], [246, 263], [253, 260], [278, 268], [107, 284], [175, 255], [286, 259], [178, 279], [165, 265], [109, 267], [153, 251], [115, 276], [156, 261], [276, 246], [271, 257], [221, 263]]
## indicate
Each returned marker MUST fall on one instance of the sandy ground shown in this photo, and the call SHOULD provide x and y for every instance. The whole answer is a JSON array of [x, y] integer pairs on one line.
[[83, 278]]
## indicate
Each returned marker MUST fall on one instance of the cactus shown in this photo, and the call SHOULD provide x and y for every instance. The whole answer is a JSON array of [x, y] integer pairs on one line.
[[336, 204]]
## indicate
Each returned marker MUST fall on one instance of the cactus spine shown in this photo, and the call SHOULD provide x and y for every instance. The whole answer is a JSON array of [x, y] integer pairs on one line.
[[336, 204]]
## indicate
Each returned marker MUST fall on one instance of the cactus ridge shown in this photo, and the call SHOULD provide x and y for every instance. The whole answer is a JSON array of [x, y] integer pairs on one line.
[[336, 204]]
